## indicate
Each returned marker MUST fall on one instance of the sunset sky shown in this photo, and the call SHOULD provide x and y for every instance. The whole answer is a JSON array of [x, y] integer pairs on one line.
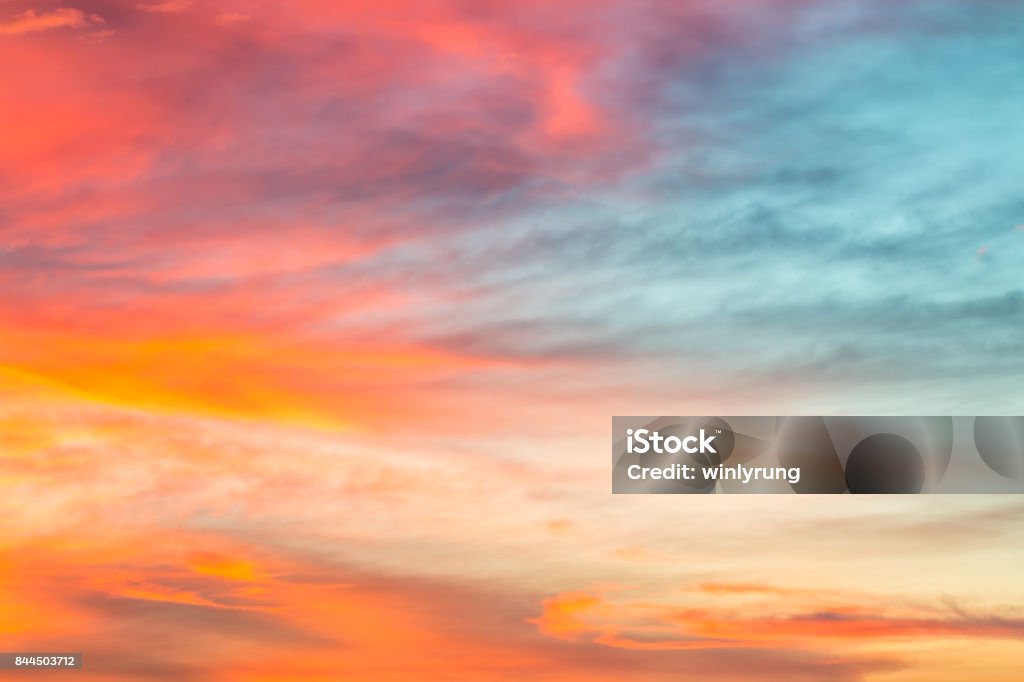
[[314, 315]]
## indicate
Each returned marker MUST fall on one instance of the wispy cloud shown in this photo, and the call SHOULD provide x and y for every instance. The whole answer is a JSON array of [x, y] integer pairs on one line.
[[618, 618], [30, 21], [345, 294], [166, 6]]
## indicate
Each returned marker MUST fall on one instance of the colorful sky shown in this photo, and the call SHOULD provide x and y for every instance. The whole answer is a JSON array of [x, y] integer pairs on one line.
[[314, 315]]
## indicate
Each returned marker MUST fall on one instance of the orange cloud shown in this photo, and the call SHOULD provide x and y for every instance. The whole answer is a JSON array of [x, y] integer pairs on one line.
[[839, 623], [565, 615], [223, 566], [746, 589], [297, 616], [302, 620], [166, 6], [31, 22], [595, 616], [244, 375]]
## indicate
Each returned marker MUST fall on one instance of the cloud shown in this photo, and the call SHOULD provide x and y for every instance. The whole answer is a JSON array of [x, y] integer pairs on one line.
[[166, 6], [654, 206], [364, 280], [305, 618], [725, 589], [228, 18], [31, 22], [615, 618]]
